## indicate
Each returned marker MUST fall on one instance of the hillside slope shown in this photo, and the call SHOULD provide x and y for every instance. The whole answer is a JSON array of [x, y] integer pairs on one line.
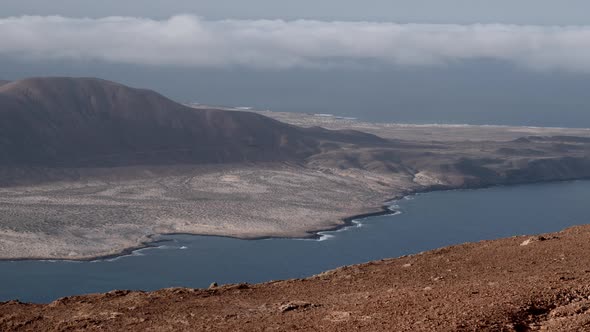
[[90, 122], [515, 284]]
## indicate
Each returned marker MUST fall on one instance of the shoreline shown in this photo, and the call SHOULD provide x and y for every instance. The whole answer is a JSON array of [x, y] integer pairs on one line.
[[338, 117], [516, 294], [314, 235], [384, 209]]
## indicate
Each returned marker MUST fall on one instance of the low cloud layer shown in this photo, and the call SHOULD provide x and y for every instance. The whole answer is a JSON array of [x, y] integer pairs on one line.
[[190, 41]]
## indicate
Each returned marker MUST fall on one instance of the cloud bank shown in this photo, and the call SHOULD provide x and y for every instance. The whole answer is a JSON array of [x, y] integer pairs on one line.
[[187, 40]]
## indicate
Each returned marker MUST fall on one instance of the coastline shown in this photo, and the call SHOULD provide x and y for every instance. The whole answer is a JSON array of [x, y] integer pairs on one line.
[[104, 213], [495, 285], [346, 222], [383, 209]]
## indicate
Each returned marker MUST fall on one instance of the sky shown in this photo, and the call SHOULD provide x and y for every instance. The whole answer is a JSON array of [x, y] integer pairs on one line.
[[457, 61], [537, 12]]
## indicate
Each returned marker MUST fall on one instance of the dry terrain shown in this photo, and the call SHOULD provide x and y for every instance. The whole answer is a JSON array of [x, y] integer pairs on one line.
[[90, 168], [538, 283], [107, 211], [85, 219], [423, 132]]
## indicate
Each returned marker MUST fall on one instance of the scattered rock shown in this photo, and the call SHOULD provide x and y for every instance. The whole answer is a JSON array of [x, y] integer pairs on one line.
[[238, 286], [533, 239], [295, 306], [213, 285], [115, 293], [339, 316]]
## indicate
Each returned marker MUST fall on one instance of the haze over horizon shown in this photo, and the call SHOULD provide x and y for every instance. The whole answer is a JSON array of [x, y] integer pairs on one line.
[[458, 62]]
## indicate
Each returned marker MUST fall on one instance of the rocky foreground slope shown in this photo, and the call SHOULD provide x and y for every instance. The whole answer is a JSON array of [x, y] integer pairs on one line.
[[514, 284]]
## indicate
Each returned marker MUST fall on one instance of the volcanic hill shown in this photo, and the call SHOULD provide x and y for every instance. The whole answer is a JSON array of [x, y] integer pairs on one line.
[[82, 122]]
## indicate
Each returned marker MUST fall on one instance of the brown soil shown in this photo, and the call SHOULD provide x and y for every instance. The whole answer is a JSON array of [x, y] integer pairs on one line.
[[515, 284]]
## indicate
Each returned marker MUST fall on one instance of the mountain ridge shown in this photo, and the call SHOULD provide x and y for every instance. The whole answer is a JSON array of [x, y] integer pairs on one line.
[[91, 122]]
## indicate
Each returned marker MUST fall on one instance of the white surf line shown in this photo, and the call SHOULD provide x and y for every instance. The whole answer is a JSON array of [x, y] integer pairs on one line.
[[139, 252], [355, 223], [323, 236]]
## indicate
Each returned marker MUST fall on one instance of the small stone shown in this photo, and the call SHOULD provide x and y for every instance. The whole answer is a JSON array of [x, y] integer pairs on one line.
[[533, 239], [294, 306], [213, 285], [288, 307]]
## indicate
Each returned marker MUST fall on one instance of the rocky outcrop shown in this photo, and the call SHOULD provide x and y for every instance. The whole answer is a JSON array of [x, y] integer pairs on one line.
[[564, 168], [468, 164]]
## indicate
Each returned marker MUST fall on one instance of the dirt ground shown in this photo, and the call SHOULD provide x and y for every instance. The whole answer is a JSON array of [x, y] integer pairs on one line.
[[514, 284]]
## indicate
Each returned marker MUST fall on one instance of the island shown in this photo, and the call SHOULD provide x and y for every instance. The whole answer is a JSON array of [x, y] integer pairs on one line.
[[91, 168]]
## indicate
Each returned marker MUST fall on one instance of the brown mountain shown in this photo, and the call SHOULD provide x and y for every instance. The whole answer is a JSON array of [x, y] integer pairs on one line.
[[82, 122]]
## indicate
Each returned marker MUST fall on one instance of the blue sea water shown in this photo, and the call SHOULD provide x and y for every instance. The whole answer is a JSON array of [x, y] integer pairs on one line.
[[423, 222]]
